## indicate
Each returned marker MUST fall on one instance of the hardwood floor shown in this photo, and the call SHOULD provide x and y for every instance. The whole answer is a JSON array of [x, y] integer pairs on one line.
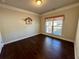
[[38, 47]]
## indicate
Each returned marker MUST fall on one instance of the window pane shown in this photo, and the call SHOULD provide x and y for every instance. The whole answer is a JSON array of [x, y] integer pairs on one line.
[[49, 26], [57, 30], [49, 30], [57, 25], [58, 21]]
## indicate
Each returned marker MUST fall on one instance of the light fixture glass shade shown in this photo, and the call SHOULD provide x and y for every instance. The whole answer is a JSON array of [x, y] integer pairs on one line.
[[39, 2]]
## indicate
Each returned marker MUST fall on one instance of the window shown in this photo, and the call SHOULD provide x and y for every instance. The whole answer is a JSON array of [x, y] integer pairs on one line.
[[49, 24], [54, 25]]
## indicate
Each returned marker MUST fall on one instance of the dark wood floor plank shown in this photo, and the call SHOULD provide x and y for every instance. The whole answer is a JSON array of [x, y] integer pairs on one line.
[[38, 47]]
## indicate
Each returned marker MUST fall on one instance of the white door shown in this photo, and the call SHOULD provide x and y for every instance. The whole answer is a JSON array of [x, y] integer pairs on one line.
[[77, 43], [1, 44]]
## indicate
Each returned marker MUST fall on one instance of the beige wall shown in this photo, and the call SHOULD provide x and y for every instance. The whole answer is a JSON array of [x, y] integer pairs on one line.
[[70, 22], [13, 26]]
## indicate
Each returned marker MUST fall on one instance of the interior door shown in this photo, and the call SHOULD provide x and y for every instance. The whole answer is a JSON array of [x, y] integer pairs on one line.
[[77, 43]]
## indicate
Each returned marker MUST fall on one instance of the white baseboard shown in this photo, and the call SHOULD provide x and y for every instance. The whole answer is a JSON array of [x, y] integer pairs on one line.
[[19, 39], [37, 34], [66, 39]]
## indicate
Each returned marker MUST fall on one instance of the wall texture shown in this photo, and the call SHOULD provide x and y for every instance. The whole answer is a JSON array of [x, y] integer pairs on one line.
[[13, 26], [70, 22]]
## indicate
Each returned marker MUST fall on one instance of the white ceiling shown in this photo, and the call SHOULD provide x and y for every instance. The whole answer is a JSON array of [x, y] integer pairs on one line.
[[48, 5]]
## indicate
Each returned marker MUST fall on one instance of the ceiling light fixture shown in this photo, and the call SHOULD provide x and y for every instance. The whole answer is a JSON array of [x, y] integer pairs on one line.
[[38, 2]]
